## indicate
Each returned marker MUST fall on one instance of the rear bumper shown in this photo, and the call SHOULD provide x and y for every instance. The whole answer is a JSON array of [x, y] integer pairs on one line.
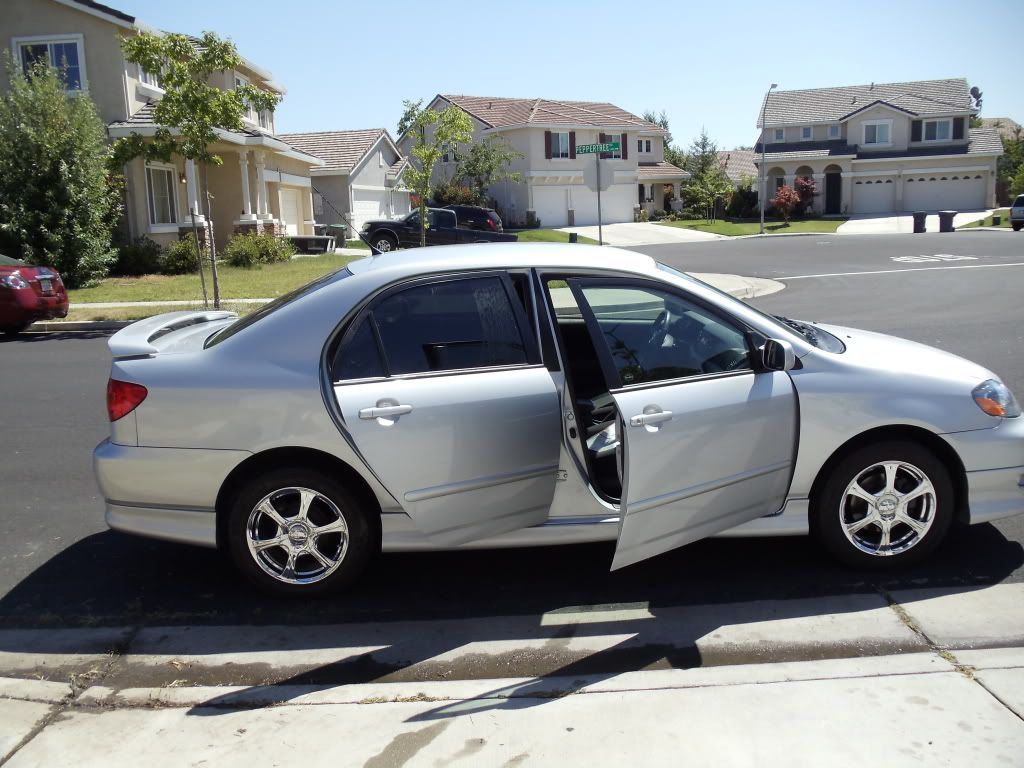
[[994, 463], [163, 493], [32, 306]]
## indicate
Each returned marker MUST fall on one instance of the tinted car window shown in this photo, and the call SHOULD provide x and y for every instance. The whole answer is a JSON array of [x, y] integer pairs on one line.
[[1019, 202], [358, 356], [654, 335], [448, 326]]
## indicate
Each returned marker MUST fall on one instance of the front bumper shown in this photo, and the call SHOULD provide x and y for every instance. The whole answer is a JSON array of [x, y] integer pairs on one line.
[[994, 463], [163, 493]]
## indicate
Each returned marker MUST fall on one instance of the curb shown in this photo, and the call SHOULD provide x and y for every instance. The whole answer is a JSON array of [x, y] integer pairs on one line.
[[51, 326]]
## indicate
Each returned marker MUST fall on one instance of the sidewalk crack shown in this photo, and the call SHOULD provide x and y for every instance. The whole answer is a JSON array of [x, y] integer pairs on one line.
[[907, 620]]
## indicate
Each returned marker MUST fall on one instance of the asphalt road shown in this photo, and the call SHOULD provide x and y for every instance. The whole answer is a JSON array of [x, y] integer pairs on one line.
[[60, 566]]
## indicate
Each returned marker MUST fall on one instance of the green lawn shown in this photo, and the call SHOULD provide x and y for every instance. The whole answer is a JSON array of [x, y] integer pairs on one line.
[[733, 229], [235, 282], [550, 236], [1004, 212]]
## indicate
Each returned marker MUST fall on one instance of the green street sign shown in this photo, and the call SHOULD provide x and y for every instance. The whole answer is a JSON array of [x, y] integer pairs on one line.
[[590, 149]]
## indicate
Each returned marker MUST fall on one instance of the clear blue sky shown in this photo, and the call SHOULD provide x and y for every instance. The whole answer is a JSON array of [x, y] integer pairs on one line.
[[350, 64]]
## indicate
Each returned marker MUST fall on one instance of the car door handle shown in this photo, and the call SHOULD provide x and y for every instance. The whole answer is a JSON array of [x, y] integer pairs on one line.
[[384, 411], [647, 419]]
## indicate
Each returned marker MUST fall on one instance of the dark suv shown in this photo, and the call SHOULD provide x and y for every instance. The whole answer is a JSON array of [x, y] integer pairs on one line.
[[477, 217]]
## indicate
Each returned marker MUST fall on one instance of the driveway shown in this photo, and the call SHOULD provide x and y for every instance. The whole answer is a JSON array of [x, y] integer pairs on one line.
[[876, 224], [643, 233]]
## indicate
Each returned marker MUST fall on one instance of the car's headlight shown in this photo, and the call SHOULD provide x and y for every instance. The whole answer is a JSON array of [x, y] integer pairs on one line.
[[995, 399]]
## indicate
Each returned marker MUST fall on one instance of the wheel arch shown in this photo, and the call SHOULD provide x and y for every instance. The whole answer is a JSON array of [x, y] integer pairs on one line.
[[309, 458], [942, 450]]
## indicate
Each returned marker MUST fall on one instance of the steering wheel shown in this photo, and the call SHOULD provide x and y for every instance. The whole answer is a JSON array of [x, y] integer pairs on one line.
[[726, 360], [660, 328]]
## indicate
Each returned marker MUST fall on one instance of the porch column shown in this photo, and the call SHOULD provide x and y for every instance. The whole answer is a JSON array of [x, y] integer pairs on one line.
[[261, 187], [192, 190], [243, 164], [818, 204]]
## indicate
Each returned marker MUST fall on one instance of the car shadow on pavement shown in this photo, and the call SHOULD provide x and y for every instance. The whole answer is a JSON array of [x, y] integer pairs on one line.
[[32, 337], [416, 617]]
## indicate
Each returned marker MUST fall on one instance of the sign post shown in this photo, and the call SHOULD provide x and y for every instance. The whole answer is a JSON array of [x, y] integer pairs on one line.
[[597, 150]]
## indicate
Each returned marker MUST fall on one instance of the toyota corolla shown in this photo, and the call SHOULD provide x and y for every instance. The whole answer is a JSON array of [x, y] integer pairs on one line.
[[518, 395]]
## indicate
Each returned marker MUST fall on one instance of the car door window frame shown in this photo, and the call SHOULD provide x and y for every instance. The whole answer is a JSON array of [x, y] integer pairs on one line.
[[349, 327], [607, 362]]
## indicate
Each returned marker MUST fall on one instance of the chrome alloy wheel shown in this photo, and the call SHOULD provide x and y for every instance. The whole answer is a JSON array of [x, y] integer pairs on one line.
[[383, 244], [888, 508], [297, 535]]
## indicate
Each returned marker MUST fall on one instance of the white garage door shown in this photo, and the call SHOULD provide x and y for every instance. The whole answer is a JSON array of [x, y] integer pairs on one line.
[[874, 195], [552, 205], [369, 204], [944, 192]]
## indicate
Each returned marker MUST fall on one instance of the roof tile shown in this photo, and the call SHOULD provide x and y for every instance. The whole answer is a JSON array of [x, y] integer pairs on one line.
[[340, 150]]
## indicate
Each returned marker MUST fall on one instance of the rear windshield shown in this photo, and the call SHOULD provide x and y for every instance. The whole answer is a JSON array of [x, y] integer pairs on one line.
[[7, 261], [268, 309], [1019, 202]]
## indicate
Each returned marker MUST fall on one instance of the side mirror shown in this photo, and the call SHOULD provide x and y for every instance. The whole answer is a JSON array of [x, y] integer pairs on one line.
[[778, 355]]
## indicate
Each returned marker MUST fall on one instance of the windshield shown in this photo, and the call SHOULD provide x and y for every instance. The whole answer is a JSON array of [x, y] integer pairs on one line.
[[818, 337], [267, 309]]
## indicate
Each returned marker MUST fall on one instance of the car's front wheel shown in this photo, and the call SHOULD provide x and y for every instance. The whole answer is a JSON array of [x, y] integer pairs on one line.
[[13, 330], [885, 504], [299, 532]]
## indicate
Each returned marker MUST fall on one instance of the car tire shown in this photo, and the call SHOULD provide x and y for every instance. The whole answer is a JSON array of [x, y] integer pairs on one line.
[[14, 330], [854, 530], [385, 243], [1017, 227], [342, 551]]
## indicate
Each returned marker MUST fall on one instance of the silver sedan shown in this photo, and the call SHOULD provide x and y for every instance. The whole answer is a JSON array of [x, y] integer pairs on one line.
[[527, 394]]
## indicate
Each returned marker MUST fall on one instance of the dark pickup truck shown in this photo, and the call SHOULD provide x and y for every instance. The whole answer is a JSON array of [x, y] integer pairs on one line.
[[442, 229]]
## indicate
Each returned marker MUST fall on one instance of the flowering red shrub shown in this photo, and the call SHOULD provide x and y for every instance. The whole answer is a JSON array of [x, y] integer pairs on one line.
[[786, 199]]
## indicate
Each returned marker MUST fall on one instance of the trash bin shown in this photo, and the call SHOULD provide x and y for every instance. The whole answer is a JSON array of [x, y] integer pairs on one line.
[[946, 221], [996, 220], [574, 237], [919, 219], [339, 231]]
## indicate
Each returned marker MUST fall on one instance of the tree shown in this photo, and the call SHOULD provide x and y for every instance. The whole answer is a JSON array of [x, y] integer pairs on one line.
[[486, 163], [703, 155], [450, 129], [704, 191], [806, 189], [786, 199], [57, 205], [673, 154], [191, 110], [1017, 183], [410, 109]]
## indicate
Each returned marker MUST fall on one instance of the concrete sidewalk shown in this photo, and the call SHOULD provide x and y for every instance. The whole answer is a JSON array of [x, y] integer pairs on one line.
[[915, 677]]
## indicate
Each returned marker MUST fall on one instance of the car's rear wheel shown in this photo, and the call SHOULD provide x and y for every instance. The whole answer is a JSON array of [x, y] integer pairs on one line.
[[385, 243], [1017, 227], [886, 504], [297, 531]]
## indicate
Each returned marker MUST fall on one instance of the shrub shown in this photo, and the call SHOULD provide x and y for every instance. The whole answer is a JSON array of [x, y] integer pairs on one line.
[[743, 203], [644, 216], [141, 257], [658, 215], [532, 222], [182, 257], [252, 250], [786, 200], [453, 193], [806, 189]]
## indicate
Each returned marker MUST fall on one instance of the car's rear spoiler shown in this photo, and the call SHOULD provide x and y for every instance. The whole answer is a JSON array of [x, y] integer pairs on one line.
[[137, 339]]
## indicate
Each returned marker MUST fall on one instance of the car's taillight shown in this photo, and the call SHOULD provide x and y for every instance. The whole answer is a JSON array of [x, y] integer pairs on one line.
[[123, 397], [492, 225]]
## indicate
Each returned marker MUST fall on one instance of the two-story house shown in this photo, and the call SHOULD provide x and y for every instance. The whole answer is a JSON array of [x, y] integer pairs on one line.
[[880, 148], [558, 185], [361, 178], [264, 183]]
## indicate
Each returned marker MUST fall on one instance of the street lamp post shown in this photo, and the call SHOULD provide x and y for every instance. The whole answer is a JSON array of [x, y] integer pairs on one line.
[[761, 188]]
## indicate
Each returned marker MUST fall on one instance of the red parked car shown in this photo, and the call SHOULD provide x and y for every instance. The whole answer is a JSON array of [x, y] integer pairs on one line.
[[28, 294]]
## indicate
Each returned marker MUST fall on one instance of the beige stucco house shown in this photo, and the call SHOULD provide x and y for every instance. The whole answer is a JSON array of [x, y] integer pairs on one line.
[[880, 148], [361, 178], [559, 186], [264, 182]]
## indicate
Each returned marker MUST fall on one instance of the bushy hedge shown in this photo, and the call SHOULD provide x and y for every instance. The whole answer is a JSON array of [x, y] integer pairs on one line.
[[253, 250], [182, 257], [141, 257]]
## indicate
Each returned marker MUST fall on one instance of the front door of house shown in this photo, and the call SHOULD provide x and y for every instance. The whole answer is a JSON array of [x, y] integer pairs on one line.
[[833, 192]]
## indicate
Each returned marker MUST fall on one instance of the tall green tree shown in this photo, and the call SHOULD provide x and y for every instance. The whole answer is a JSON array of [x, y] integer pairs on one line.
[[708, 182], [702, 155], [57, 205], [488, 162], [673, 154], [191, 109], [435, 133], [410, 109]]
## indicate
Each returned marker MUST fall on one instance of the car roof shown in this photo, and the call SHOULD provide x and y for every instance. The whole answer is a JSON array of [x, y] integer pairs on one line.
[[452, 258]]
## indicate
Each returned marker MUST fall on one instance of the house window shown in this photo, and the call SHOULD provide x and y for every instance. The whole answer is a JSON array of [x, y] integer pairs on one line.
[[833, 131], [780, 134], [250, 113], [805, 133], [162, 192], [640, 145], [615, 138], [149, 78], [560, 144], [267, 120], [65, 54], [937, 130], [878, 133], [647, 144]]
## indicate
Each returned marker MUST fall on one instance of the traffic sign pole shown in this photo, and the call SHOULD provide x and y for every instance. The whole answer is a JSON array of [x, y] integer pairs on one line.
[[600, 230], [596, 150]]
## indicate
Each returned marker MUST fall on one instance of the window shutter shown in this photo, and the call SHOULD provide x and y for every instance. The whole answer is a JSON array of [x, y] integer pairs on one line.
[[572, 145], [625, 147], [915, 130], [547, 145], [958, 128]]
